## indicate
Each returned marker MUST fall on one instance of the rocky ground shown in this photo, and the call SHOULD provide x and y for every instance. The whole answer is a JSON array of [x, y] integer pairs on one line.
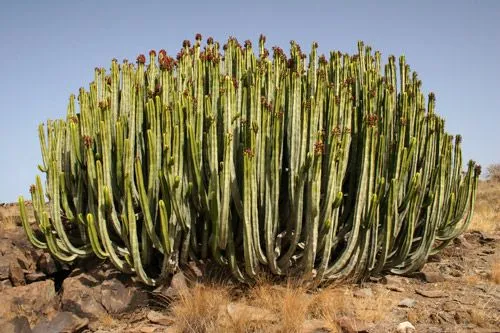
[[458, 291]]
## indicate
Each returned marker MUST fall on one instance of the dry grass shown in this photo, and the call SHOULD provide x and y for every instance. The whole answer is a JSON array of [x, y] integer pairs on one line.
[[486, 216], [267, 307], [495, 271], [334, 303], [290, 303], [198, 309]]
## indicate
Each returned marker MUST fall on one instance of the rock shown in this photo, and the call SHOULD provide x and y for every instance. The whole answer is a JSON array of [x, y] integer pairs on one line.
[[432, 277], [407, 303], [13, 259], [148, 329], [16, 275], [4, 284], [395, 288], [178, 285], [434, 258], [62, 322], [159, 318], [35, 298], [463, 317], [4, 268], [462, 242], [363, 293], [456, 273], [405, 327], [394, 280], [18, 324], [450, 306], [115, 296], [195, 270], [251, 313], [431, 293], [315, 326], [351, 325], [33, 277], [82, 296], [47, 264]]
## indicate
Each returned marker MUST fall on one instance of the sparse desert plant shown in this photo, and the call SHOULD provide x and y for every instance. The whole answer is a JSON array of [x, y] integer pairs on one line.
[[494, 172], [327, 168]]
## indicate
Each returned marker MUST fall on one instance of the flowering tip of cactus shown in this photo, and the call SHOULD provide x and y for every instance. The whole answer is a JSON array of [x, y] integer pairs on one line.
[[248, 152], [477, 170], [315, 45], [198, 37], [336, 131], [87, 140], [248, 43], [141, 59], [322, 60], [210, 40], [152, 53], [32, 188], [372, 119], [262, 38], [319, 148], [186, 43], [458, 139], [432, 96]]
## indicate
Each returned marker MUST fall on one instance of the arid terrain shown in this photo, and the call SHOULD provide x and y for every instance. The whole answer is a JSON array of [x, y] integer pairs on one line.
[[457, 291]]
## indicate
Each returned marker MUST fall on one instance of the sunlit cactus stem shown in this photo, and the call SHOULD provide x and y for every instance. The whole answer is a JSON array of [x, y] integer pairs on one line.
[[321, 167]]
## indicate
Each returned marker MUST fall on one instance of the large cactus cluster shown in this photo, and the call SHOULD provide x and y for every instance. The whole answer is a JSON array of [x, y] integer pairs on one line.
[[323, 168]]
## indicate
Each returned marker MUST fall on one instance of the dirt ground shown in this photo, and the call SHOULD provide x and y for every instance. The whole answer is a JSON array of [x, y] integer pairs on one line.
[[457, 291]]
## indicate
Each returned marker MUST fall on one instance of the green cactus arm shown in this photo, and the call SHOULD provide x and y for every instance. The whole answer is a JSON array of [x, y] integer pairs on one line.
[[93, 236], [52, 244], [111, 249], [27, 227], [144, 201], [134, 244]]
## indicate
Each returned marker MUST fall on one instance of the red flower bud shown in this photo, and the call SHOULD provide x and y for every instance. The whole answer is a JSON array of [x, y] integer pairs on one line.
[[141, 59]]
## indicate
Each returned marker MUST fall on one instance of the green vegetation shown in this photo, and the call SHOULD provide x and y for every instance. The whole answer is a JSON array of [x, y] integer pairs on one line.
[[325, 169]]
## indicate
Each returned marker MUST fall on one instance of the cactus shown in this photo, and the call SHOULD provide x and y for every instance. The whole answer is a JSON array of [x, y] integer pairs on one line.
[[327, 169]]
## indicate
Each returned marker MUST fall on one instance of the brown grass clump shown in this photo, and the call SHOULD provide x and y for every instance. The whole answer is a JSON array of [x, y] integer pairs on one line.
[[334, 303], [486, 216], [290, 303], [495, 271], [198, 309]]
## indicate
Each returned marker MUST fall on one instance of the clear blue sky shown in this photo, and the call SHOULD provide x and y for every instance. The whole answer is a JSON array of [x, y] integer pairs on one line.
[[50, 48]]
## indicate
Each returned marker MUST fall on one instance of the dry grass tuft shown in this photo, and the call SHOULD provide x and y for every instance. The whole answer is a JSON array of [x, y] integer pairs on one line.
[[198, 309], [334, 303], [290, 303], [486, 216], [495, 271]]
